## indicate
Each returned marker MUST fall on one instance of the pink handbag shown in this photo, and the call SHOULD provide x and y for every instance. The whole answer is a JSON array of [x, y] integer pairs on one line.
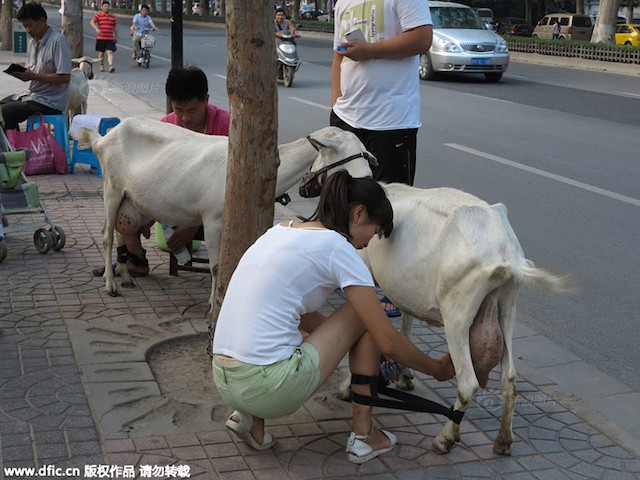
[[47, 156]]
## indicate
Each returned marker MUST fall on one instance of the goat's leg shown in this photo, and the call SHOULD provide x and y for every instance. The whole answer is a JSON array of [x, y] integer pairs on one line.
[[112, 200], [212, 232], [405, 382], [457, 323], [504, 439], [121, 259]]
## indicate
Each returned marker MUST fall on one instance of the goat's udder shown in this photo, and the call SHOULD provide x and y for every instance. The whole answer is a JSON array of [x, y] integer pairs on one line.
[[486, 340]]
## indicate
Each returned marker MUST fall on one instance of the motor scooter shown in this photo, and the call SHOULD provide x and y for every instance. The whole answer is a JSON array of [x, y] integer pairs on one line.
[[147, 42], [287, 57]]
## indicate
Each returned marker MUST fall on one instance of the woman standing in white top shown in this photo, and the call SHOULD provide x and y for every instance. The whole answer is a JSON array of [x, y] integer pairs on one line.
[[263, 366]]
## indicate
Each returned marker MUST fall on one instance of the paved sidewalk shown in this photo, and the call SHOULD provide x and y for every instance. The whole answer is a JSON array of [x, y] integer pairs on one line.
[[89, 380]]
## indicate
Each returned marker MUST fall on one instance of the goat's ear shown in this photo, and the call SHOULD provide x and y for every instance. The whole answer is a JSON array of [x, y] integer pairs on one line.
[[323, 143]]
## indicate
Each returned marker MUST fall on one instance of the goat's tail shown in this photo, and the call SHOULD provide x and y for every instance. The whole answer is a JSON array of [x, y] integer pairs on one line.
[[544, 280], [86, 136]]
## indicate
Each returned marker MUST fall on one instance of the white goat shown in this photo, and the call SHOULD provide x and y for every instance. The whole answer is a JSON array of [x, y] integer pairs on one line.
[[79, 86], [453, 258], [154, 170]]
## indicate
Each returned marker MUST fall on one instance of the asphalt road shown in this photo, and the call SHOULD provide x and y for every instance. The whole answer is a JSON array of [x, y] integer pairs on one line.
[[557, 146]]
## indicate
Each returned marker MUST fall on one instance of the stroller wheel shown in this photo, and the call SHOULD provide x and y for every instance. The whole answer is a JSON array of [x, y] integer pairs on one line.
[[59, 238], [3, 250], [43, 240]]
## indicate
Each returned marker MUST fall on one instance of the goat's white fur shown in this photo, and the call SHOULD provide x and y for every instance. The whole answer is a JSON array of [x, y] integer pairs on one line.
[[79, 86], [448, 251], [178, 177]]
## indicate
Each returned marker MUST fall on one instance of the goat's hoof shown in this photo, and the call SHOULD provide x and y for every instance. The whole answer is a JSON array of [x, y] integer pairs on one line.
[[405, 382], [502, 446], [127, 284], [113, 293], [343, 394], [443, 444]]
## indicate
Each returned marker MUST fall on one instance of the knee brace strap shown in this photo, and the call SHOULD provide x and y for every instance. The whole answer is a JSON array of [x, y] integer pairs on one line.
[[404, 400]]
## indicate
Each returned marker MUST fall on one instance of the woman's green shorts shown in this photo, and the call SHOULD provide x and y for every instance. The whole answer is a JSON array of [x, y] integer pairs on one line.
[[270, 391]]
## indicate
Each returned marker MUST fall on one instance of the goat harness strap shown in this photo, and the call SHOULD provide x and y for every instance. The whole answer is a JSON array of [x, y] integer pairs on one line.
[[404, 400]]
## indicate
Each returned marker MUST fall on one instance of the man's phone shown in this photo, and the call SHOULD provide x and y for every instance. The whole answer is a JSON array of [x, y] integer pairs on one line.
[[355, 35], [13, 68]]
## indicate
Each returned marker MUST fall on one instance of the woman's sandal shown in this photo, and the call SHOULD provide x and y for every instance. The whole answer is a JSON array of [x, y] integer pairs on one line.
[[358, 451], [242, 429]]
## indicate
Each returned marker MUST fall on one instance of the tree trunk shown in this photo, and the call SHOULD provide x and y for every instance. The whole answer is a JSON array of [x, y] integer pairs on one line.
[[528, 5], [253, 131], [604, 31], [296, 10], [72, 27], [580, 7], [223, 9], [6, 35]]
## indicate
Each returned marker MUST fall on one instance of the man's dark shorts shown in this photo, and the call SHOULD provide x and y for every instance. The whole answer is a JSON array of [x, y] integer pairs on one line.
[[102, 45], [394, 149]]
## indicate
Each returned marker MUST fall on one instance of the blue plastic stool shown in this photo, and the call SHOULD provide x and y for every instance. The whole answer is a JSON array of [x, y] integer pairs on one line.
[[60, 126], [86, 155]]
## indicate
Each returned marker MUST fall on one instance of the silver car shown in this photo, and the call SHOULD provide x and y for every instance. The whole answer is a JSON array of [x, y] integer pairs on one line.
[[462, 44]]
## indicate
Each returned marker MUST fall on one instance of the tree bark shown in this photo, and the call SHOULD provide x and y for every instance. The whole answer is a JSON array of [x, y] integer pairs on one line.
[[604, 31], [253, 154], [72, 27], [6, 35], [580, 7]]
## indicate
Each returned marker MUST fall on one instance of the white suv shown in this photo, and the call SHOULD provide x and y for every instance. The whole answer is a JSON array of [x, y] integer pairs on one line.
[[462, 44]]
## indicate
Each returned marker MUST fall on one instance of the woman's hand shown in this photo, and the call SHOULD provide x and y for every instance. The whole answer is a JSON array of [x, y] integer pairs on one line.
[[445, 368]]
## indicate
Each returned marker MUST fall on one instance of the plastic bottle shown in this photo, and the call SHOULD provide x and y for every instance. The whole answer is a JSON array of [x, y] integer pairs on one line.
[[182, 256]]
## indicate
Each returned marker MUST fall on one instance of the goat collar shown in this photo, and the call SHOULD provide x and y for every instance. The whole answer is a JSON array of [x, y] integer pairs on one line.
[[311, 183]]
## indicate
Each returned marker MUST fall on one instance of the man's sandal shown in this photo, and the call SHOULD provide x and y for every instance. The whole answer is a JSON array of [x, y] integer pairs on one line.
[[242, 429], [358, 451]]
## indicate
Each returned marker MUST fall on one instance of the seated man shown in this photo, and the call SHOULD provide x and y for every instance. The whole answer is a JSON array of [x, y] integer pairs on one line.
[[188, 92], [48, 69]]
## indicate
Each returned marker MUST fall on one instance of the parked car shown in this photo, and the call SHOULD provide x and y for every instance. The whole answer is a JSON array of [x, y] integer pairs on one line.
[[573, 26], [628, 34], [309, 12], [486, 14], [462, 44], [514, 26]]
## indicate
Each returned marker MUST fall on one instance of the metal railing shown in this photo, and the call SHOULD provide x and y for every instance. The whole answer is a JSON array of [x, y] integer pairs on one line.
[[590, 51]]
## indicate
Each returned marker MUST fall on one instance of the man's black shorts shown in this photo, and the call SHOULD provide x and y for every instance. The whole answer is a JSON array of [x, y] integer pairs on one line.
[[102, 45]]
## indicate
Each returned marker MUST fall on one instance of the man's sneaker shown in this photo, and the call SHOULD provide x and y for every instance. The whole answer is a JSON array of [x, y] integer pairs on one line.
[[101, 69], [111, 69]]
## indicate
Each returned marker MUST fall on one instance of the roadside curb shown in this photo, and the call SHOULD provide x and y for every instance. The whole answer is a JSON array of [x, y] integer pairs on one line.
[[577, 63]]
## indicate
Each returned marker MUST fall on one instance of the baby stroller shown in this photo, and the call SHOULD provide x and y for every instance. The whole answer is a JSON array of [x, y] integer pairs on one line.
[[18, 196]]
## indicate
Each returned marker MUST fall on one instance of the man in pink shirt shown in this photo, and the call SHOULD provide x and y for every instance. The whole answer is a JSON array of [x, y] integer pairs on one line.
[[188, 91]]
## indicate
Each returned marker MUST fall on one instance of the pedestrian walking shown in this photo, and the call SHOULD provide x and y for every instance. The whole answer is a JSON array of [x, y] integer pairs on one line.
[[556, 30], [105, 24]]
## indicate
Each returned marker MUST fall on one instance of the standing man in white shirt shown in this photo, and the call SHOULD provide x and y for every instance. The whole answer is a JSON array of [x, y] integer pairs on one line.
[[375, 85]]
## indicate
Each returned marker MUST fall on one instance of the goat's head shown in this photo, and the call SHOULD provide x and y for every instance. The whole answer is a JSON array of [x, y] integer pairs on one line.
[[337, 150], [85, 65]]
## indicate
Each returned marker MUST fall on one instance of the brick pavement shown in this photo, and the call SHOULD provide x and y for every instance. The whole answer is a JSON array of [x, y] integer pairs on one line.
[[86, 378]]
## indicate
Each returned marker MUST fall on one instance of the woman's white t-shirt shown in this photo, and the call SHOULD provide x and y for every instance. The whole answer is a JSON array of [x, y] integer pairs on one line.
[[288, 272]]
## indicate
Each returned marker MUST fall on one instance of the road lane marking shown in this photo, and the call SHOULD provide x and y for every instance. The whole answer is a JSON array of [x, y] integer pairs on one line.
[[308, 102], [224, 77], [629, 94], [131, 49], [552, 176], [485, 98], [520, 77]]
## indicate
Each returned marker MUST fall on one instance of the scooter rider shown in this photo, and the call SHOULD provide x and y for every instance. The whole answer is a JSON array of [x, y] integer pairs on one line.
[[284, 26], [141, 24]]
